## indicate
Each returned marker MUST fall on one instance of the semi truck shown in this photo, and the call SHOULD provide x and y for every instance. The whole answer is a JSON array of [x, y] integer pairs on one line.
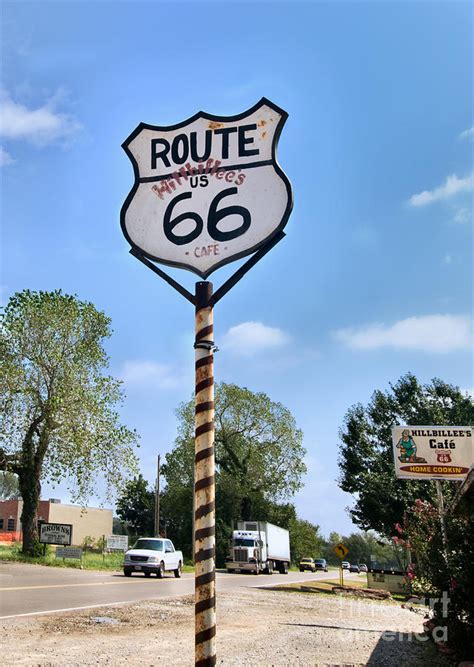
[[259, 546]]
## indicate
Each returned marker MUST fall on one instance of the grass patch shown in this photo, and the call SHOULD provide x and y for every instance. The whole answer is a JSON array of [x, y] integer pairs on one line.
[[317, 586], [327, 585], [112, 562]]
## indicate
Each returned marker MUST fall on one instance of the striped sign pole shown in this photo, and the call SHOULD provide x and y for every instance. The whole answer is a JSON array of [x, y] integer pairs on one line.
[[204, 482]]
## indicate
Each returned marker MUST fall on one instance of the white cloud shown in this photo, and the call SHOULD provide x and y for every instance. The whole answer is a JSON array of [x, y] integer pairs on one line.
[[40, 126], [462, 216], [249, 338], [150, 374], [467, 134], [452, 186], [448, 259], [431, 333], [5, 158]]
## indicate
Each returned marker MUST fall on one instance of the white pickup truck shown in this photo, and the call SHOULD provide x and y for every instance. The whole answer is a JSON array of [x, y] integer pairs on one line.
[[153, 555]]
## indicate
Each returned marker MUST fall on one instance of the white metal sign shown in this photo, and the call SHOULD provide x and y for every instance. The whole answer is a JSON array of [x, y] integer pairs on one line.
[[69, 552], [432, 452], [208, 190], [55, 533], [118, 542]]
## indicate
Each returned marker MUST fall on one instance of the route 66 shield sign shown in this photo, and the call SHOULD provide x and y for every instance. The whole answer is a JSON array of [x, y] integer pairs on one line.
[[208, 190]]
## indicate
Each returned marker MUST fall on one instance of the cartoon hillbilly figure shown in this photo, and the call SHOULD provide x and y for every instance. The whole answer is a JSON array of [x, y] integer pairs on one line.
[[407, 447]]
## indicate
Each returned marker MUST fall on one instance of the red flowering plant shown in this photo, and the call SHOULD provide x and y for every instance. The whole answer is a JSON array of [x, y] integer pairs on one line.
[[419, 527], [442, 568]]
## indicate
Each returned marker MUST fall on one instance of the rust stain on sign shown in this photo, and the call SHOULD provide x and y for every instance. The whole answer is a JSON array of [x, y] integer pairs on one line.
[[264, 134], [262, 123], [213, 125]]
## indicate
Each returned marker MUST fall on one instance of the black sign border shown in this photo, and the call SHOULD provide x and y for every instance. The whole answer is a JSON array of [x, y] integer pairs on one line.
[[50, 523], [220, 119]]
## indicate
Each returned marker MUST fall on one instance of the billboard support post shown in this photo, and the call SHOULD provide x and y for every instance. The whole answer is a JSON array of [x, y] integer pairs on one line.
[[444, 537], [204, 485]]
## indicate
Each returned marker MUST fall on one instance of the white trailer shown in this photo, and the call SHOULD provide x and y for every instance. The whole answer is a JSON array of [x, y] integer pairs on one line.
[[259, 546]]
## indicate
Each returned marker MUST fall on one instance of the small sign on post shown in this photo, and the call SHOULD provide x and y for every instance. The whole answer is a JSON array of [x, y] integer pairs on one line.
[[55, 533], [69, 552], [341, 552], [117, 542]]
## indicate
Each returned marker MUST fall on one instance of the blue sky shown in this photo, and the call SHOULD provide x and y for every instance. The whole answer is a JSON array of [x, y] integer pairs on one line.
[[374, 277]]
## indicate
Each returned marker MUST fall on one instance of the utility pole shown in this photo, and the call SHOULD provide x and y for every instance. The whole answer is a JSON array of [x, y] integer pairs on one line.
[[157, 499]]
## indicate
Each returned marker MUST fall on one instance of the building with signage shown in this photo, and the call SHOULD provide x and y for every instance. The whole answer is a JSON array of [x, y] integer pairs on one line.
[[86, 521]]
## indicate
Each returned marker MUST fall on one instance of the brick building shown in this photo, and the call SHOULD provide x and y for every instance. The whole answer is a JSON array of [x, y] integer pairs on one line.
[[89, 521]]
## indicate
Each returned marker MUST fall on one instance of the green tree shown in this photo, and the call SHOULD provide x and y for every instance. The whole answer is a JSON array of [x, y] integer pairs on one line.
[[101, 544], [305, 540], [259, 461], [328, 549], [176, 517], [58, 418], [364, 545], [136, 507], [361, 547], [9, 486], [87, 543], [118, 526], [366, 457]]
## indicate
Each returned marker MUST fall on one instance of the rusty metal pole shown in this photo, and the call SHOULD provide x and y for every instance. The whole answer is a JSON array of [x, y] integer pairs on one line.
[[204, 486]]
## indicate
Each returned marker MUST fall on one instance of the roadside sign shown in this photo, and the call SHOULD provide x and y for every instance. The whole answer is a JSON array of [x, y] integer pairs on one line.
[[208, 190], [117, 542], [432, 452], [341, 551], [69, 552], [55, 533]]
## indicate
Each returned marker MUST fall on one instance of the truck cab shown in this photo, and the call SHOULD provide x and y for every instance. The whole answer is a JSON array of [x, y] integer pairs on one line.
[[247, 550], [259, 547]]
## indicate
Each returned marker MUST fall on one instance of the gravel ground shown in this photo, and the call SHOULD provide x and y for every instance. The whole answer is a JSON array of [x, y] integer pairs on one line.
[[255, 627]]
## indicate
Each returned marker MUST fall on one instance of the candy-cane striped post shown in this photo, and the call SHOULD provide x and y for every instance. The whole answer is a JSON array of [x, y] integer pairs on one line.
[[204, 482]]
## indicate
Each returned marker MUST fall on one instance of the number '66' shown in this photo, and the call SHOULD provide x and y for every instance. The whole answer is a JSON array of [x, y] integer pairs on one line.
[[214, 217]]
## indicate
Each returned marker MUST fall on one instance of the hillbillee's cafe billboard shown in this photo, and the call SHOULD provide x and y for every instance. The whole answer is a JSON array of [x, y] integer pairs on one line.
[[432, 452]]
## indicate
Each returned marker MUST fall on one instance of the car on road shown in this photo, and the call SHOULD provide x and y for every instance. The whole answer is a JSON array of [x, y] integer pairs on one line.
[[152, 555], [363, 567], [321, 564], [354, 568], [307, 564], [345, 565]]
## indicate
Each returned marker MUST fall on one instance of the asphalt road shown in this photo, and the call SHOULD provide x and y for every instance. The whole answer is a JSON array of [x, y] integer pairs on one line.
[[33, 589]]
